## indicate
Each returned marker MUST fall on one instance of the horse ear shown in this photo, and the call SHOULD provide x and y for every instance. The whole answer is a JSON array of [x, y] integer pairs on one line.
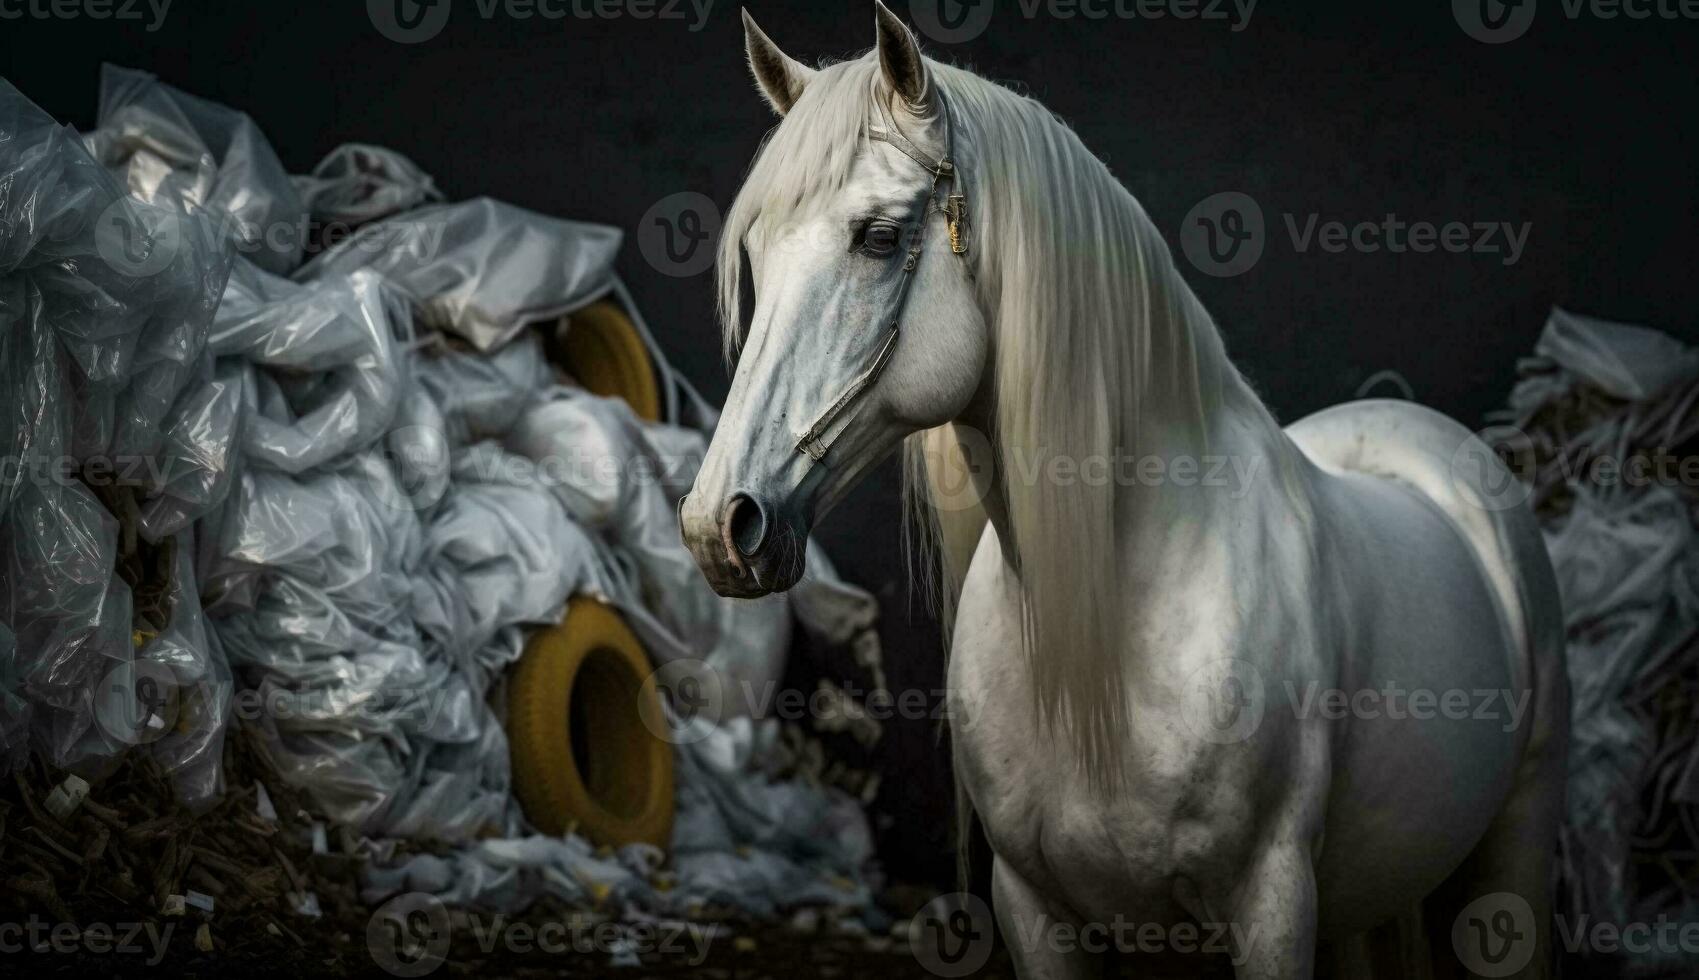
[[780, 76], [899, 58]]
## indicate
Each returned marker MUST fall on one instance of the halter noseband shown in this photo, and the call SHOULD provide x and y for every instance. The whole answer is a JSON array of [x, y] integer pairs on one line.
[[814, 442]]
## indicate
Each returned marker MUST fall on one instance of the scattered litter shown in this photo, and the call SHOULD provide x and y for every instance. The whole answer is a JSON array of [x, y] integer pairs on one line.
[[66, 797], [263, 805], [305, 903], [331, 520], [622, 953]]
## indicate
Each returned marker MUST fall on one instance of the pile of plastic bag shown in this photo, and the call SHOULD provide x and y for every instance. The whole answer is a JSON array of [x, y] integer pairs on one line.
[[1604, 422], [362, 483]]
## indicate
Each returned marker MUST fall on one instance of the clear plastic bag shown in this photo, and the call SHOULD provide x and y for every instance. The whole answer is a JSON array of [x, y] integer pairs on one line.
[[480, 269], [357, 183], [167, 142]]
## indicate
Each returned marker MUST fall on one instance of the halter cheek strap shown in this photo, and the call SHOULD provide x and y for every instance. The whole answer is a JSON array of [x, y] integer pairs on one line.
[[818, 439]]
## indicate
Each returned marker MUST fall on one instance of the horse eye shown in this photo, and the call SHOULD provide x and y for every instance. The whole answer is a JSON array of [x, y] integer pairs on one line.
[[880, 238]]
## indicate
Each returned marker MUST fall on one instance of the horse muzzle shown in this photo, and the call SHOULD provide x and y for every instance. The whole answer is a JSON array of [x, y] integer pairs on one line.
[[747, 545]]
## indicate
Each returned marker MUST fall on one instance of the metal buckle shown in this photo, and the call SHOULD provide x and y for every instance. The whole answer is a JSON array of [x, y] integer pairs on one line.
[[955, 213]]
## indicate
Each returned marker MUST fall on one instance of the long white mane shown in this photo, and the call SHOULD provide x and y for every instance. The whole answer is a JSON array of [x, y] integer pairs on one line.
[[1095, 338]]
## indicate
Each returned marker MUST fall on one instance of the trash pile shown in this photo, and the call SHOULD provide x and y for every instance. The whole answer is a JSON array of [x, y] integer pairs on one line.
[[290, 454], [1604, 425]]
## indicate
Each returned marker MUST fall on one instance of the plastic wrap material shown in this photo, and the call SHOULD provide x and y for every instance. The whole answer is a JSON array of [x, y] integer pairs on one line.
[[481, 269], [337, 378], [357, 183], [1622, 542], [204, 153], [105, 302]]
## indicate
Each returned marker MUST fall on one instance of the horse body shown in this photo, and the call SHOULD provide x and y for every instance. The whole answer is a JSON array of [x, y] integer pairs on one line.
[[1384, 805], [1174, 700]]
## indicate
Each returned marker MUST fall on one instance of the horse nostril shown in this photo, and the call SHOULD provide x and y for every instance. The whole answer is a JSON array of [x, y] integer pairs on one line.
[[747, 523]]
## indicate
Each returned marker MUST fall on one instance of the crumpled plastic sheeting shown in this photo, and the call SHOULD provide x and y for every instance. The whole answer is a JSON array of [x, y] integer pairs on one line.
[[188, 654], [202, 152], [740, 840], [358, 183], [481, 269], [105, 302], [337, 380], [1628, 570], [367, 515]]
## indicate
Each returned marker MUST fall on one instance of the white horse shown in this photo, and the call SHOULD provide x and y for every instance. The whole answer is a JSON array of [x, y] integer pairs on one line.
[[1185, 692]]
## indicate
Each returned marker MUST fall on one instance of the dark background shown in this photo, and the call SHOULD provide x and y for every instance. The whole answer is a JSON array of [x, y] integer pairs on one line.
[[1584, 128]]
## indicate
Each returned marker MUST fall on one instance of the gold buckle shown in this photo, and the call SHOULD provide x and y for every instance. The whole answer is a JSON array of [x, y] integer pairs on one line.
[[955, 212]]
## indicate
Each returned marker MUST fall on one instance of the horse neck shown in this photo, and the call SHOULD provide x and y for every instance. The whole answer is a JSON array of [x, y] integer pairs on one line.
[[1195, 410]]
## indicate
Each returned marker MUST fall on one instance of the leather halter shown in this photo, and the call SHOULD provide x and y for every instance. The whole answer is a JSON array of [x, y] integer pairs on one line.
[[815, 442]]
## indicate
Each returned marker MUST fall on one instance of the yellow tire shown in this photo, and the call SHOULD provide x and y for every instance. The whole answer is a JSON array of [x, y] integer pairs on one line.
[[583, 756], [603, 351]]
